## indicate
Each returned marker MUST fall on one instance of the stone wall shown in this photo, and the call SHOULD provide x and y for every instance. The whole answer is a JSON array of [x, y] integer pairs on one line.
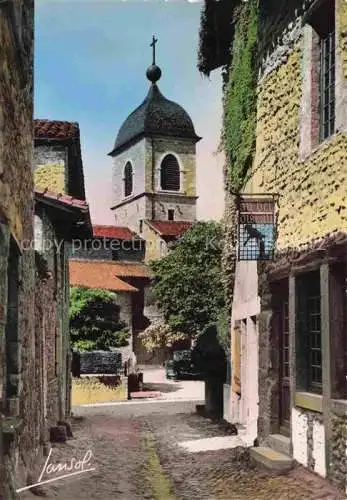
[[50, 167], [312, 202], [52, 317], [138, 157], [308, 438], [184, 150], [312, 198], [16, 208], [184, 207], [338, 455], [130, 214], [155, 245], [45, 331]]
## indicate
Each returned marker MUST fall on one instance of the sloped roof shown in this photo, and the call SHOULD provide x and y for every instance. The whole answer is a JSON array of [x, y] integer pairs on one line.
[[121, 269], [117, 232], [216, 33], [170, 228], [61, 199], [97, 274], [55, 129]]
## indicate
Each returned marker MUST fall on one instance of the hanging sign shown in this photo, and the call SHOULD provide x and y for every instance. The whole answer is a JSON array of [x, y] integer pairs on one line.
[[256, 228]]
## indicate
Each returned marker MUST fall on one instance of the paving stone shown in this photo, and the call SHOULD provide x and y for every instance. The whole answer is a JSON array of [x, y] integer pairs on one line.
[[115, 436]]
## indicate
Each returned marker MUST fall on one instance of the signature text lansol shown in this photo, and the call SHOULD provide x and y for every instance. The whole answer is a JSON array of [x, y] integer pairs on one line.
[[71, 468]]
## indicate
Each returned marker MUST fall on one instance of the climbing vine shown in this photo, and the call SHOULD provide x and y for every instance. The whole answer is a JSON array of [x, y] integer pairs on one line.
[[239, 127], [239, 123]]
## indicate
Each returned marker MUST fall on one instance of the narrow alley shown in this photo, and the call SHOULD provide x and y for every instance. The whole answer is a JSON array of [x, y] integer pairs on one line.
[[137, 455]]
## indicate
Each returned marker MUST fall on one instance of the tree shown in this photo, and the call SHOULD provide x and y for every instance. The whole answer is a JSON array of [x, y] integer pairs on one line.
[[94, 320], [187, 282], [158, 335]]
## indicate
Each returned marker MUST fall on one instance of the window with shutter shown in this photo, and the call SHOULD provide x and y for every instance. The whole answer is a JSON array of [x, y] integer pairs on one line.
[[170, 174]]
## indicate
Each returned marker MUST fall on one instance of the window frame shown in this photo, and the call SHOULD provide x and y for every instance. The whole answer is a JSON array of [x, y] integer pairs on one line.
[[327, 91], [317, 23], [308, 288]]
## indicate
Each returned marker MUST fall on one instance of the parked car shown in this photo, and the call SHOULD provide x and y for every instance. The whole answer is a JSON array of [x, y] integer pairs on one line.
[[180, 367]]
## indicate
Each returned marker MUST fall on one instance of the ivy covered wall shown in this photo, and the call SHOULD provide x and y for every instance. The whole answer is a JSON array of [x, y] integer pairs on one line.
[[239, 127]]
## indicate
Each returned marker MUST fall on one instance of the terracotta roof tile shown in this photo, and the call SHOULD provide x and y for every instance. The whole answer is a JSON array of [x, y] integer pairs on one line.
[[170, 228], [97, 275], [63, 199], [121, 269], [131, 270], [55, 129], [117, 232]]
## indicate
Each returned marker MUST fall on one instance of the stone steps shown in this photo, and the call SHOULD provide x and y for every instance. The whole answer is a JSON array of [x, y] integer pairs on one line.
[[271, 460], [279, 443]]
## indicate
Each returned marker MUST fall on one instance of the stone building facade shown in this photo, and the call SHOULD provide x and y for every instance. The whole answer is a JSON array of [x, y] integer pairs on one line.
[[292, 312], [57, 157], [34, 341], [58, 220], [17, 283]]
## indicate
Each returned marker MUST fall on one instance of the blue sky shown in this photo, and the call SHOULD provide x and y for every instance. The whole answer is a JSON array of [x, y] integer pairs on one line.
[[91, 59]]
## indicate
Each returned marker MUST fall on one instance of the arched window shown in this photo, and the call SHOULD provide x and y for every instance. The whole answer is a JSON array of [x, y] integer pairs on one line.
[[128, 179], [170, 173]]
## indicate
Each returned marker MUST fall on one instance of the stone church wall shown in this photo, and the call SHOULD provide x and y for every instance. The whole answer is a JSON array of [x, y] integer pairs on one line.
[[144, 161], [136, 154], [185, 208], [131, 213], [185, 151]]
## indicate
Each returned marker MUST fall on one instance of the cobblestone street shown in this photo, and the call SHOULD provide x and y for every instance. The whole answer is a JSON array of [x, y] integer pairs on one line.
[[136, 456]]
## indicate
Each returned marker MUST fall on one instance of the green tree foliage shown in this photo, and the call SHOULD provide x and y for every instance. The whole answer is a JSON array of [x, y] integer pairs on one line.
[[159, 335], [94, 320], [187, 281]]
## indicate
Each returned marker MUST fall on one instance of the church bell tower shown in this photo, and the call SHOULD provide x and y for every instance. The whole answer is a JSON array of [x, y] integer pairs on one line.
[[154, 161]]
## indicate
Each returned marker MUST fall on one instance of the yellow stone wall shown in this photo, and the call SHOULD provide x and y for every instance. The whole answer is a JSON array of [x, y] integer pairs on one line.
[[342, 30], [154, 244], [312, 193], [189, 178], [51, 177]]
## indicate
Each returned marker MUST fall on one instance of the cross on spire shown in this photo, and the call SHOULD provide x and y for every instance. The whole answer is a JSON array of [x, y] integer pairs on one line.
[[154, 41]]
